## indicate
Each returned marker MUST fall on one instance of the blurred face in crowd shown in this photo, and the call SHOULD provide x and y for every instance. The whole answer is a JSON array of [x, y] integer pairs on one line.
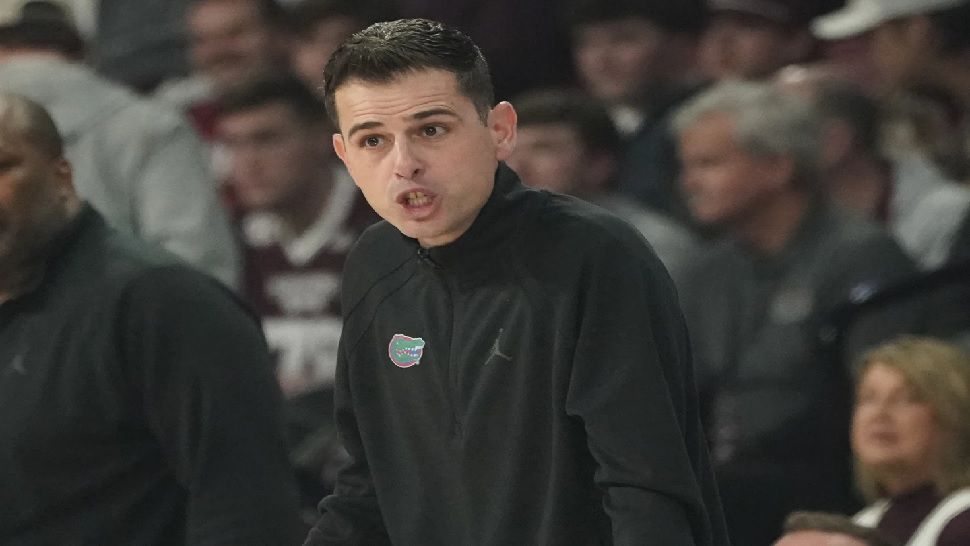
[[550, 156], [229, 41], [618, 61], [36, 198], [309, 54], [818, 538], [275, 158], [899, 49], [894, 432], [724, 184], [744, 46], [420, 151]]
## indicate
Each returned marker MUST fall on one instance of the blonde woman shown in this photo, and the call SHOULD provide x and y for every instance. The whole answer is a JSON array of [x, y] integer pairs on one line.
[[911, 440]]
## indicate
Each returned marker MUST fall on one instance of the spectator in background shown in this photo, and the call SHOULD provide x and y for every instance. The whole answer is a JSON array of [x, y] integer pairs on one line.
[[567, 143], [301, 213], [230, 42], [636, 57], [752, 39], [138, 402], [137, 162], [319, 26], [140, 43], [911, 440], [923, 210], [855, 172], [821, 529], [919, 47], [777, 410]]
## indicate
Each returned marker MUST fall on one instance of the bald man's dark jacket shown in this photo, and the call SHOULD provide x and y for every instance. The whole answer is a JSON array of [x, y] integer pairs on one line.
[[137, 406]]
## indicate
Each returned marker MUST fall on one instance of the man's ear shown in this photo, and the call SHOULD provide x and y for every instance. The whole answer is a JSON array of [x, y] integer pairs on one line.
[[338, 147], [502, 123], [64, 176]]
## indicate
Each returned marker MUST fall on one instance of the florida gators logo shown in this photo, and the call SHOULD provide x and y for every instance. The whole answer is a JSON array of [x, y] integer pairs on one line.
[[405, 351]]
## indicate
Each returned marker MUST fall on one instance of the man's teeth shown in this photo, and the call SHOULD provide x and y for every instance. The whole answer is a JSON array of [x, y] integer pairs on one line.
[[417, 199]]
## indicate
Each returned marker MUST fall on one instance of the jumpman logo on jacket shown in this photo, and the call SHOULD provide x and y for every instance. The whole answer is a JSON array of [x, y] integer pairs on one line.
[[17, 365], [497, 350]]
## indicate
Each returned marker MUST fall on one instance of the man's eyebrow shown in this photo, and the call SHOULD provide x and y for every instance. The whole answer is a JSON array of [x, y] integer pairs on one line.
[[362, 127], [424, 114]]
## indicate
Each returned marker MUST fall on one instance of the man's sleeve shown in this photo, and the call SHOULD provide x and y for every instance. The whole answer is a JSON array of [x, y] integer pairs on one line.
[[177, 206], [350, 516], [200, 371], [632, 386]]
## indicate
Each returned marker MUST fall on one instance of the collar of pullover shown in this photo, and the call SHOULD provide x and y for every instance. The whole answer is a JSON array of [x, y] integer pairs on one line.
[[493, 227]]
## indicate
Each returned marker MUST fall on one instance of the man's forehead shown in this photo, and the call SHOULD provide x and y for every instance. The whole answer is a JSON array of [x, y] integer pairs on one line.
[[12, 124], [430, 76], [404, 95]]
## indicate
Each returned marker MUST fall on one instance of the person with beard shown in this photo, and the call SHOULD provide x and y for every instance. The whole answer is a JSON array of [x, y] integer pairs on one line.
[[137, 401]]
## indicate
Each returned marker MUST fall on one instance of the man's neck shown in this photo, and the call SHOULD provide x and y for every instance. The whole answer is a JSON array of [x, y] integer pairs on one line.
[[24, 273], [861, 184], [20, 281], [770, 230]]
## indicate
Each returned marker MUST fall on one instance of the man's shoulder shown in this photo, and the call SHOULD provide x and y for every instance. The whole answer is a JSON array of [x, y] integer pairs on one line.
[[583, 224], [854, 238], [100, 255], [379, 250]]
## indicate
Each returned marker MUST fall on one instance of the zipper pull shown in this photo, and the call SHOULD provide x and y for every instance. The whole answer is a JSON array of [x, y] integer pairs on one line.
[[426, 259]]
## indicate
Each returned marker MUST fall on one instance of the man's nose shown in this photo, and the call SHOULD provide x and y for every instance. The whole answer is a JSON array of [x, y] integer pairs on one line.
[[406, 163]]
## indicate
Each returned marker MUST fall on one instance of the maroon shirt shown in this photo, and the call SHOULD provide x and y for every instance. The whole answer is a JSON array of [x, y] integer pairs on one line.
[[293, 283], [908, 510]]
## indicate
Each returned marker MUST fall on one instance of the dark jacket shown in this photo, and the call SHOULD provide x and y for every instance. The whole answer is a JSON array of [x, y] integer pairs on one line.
[[529, 383], [777, 405], [137, 406]]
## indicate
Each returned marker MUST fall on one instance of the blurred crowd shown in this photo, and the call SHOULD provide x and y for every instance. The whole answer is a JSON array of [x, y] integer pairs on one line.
[[801, 167]]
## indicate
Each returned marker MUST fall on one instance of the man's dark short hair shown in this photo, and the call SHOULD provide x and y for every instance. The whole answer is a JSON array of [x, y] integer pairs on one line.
[[384, 51], [281, 88], [835, 523], [43, 25], [30, 120], [303, 18], [671, 15], [584, 114], [845, 101]]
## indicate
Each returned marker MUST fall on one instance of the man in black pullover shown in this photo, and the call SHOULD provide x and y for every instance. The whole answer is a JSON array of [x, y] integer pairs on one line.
[[137, 401], [513, 368]]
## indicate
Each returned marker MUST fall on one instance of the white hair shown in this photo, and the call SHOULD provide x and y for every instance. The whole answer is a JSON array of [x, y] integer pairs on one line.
[[767, 122]]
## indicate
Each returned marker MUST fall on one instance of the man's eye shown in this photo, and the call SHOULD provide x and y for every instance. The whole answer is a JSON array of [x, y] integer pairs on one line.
[[432, 130], [371, 142]]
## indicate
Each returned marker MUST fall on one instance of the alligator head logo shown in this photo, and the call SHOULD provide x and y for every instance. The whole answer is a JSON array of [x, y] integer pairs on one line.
[[405, 351]]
